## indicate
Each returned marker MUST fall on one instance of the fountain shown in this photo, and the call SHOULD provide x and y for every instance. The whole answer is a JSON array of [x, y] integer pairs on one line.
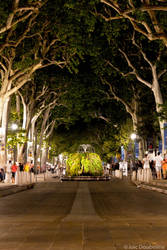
[[86, 148], [84, 165]]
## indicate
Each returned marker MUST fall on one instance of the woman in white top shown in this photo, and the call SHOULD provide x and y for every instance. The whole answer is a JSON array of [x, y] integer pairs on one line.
[[158, 164], [146, 162]]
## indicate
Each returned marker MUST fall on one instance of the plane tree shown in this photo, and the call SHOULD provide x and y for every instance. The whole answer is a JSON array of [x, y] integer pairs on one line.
[[135, 59], [145, 16], [34, 35]]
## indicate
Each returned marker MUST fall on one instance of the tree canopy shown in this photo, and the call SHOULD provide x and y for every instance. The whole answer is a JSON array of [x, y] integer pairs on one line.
[[90, 71]]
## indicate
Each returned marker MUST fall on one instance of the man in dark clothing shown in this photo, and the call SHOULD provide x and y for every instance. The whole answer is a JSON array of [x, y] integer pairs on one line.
[[2, 175], [21, 167]]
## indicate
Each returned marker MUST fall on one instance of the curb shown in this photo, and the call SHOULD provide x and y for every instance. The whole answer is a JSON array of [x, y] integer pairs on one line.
[[15, 190], [145, 186]]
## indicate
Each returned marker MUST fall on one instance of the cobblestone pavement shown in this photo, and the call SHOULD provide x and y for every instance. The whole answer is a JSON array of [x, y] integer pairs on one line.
[[89, 216]]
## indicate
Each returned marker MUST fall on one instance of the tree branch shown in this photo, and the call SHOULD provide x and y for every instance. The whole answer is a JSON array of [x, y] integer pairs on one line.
[[141, 50], [139, 78], [31, 10], [116, 97], [140, 26], [52, 124], [162, 73]]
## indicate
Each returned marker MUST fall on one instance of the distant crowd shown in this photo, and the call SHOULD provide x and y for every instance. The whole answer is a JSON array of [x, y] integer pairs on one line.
[[9, 171], [157, 164]]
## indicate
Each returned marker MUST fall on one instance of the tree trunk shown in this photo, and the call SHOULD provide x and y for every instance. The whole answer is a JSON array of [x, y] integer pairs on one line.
[[35, 150], [2, 101], [44, 158], [4, 125], [45, 118], [159, 101], [136, 121]]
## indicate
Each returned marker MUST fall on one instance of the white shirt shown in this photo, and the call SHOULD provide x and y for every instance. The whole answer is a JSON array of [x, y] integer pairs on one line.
[[146, 163], [158, 160], [151, 157]]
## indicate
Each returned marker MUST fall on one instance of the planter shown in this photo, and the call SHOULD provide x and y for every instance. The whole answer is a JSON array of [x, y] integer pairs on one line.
[[85, 178]]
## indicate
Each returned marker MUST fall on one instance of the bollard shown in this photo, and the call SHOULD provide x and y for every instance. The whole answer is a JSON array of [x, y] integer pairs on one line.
[[144, 175], [32, 178], [29, 177], [117, 173], [21, 178], [17, 177], [149, 175], [134, 176], [8, 177], [113, 173], [26, 178], [139, 174], [120, 174]]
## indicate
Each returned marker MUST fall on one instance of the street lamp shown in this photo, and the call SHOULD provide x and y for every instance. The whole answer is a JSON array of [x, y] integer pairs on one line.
[[133, 136], [14, 126]]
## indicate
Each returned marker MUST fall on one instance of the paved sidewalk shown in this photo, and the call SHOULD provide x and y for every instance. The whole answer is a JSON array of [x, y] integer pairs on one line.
[[111, 215], [8, 189], [11, 188], [155, 185]]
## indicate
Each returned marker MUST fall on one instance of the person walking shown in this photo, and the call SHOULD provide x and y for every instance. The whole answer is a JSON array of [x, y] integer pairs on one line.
[[31, 167], [21, 167], [14, 169], [27, 167], [158, 164], [164, 167], [8, 172], [2, 174], [146, 167]]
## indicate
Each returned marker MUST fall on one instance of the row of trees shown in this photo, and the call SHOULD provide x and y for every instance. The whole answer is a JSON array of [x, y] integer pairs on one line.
[[65, 63]]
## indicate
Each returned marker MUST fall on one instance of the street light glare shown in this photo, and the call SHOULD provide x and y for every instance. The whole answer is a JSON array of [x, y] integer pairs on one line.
[[133, 136], [14, 126]]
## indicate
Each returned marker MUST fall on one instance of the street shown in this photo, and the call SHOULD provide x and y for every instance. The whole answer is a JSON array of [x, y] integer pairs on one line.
[[83, 215]]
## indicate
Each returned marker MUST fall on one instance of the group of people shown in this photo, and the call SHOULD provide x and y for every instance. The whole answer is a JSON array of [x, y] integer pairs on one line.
[[11, 168], [58, 169], [158, 165]]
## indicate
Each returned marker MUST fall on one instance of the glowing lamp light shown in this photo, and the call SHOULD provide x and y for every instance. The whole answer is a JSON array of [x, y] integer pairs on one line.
[[30, 143], [14, 126], [133, 136]]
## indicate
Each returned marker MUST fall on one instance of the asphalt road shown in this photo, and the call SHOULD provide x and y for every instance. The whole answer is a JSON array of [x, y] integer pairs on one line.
[[89, 216]]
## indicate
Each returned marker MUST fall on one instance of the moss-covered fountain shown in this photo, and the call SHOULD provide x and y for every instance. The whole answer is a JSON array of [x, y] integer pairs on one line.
[[84, 165]]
